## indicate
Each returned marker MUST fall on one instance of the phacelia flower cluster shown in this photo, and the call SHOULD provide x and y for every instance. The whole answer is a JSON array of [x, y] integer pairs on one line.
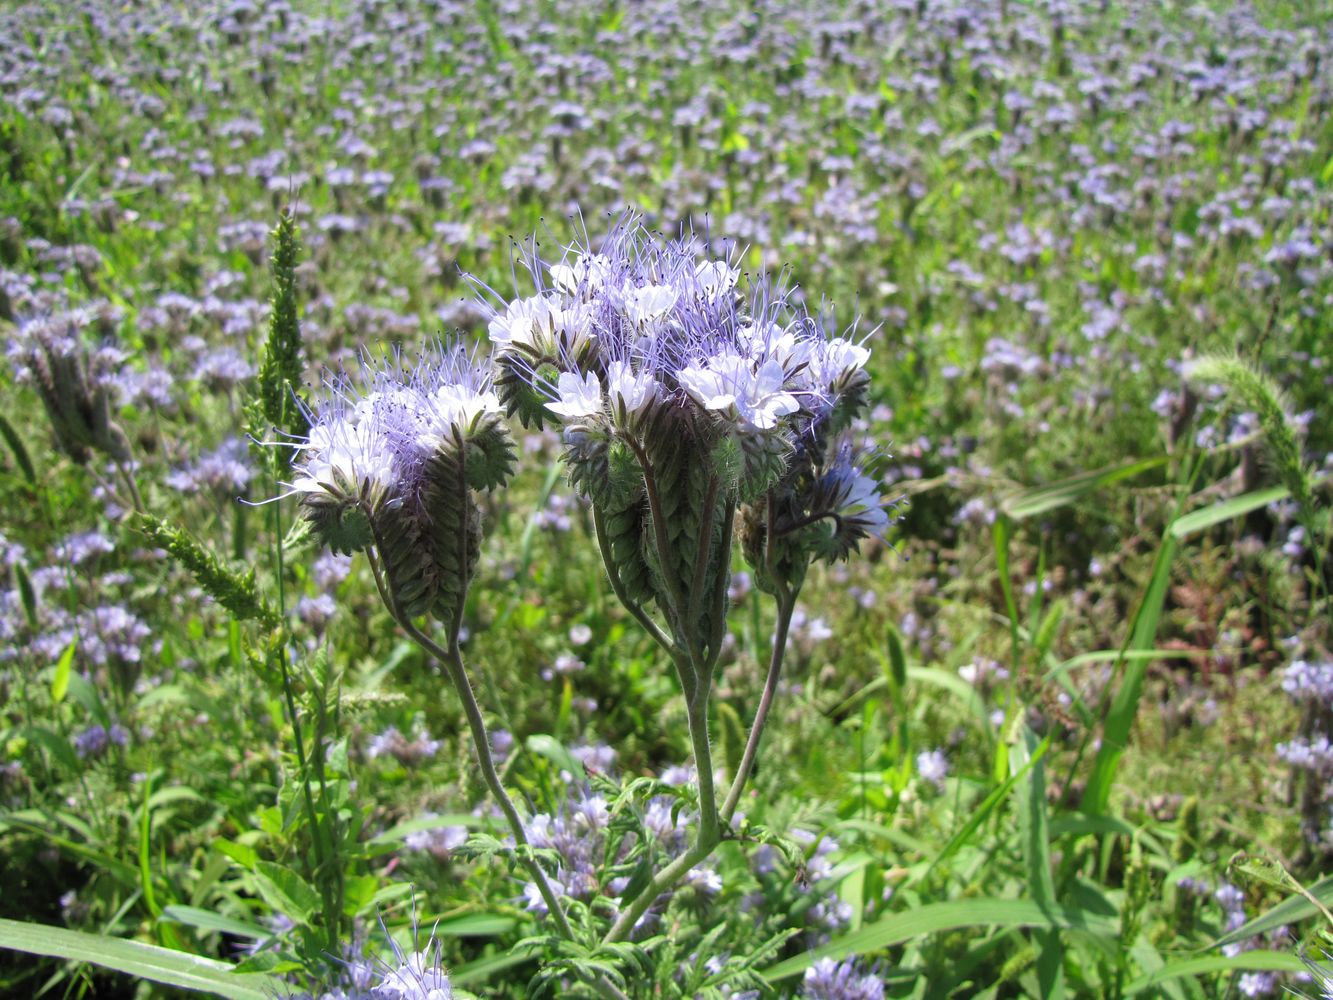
[[682, 398], [393, 460]]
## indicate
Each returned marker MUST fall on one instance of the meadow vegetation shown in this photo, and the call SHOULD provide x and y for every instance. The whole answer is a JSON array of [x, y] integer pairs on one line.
[[973, 358]]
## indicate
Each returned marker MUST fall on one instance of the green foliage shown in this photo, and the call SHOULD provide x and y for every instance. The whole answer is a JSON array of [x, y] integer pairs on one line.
[[283, 366], [235, 591]]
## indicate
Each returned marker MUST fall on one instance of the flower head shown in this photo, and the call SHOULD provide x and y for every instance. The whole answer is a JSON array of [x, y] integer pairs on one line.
[[389, 460]]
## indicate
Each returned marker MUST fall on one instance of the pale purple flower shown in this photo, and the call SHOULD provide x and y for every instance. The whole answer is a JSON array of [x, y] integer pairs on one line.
[[580, 396]]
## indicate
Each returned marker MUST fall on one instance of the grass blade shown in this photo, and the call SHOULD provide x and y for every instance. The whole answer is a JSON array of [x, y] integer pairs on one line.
[[1034, 828], [1040, 499], [1125, 704], [1200, 520], [1289, 911], [134, 958], [934, 917], [1259, 961]]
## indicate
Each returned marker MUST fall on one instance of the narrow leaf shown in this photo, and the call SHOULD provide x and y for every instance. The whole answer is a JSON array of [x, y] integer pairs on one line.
[[935, 917], [142, 961], [1226, 510], [1040, 499], [1125, 705], [60, 682], [207, 920], [1259, 961], [1289, 911]]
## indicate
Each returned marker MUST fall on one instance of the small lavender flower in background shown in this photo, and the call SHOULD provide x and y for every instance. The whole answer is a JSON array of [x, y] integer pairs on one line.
[[933, 767], [830, 980]]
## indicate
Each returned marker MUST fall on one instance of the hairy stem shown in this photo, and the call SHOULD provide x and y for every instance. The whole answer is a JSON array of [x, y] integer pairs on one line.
[[660, 883], [786, 604], [451, 660]]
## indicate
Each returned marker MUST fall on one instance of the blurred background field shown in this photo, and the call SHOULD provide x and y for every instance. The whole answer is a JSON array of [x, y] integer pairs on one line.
[[1038, 214]]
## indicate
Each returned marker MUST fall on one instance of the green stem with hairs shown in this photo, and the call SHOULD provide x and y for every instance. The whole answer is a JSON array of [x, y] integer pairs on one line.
[[451, 660], [786, 605]]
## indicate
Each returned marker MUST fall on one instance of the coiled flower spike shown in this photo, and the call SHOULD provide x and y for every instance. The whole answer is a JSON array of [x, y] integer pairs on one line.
[[392, 459]]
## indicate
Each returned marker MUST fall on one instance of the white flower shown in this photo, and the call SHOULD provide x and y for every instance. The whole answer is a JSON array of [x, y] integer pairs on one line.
[[451, 412], [832, 363], [580, 396], [715, 277], [521, 323], [727, 382], [570, 329], [864, 505], [843, 356], [348, 462], [415, 979], [589, 271], [630, 394], [649, 304], [564, 279]]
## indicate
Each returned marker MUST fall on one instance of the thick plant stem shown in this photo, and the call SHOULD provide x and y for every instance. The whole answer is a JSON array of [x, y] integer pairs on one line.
[[786, 604], [697, 712], [660, 883]]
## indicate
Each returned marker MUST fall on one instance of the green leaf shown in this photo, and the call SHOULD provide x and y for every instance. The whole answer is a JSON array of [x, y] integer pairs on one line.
[[897, 659], [553, 750], [55, 744], [954, 685], [1039, 499], [142, 961], [474, 925], [983, 811], [82, 691], [207, 920], [1289, 911], [935, 917], [60, 682], [1034, 828], [1200, 520], [482, 969], [243, 854], [400, 832], [1102, 655], [286, 891], [20, 450], [1125, 704], [1260, 961]]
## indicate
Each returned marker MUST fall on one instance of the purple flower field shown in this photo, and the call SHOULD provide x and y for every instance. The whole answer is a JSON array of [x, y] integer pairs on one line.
[[654, 499]]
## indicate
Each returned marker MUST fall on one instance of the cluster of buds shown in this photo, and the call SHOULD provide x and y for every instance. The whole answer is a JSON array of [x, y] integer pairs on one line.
[[76, 386], [685, 400], [394, 460]]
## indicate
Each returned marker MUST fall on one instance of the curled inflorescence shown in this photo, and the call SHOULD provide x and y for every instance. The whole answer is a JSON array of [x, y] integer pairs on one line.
[[683, 399], [393, 459]]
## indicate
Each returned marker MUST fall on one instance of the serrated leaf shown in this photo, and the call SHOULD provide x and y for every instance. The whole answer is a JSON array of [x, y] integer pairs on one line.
[[286, 891]]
